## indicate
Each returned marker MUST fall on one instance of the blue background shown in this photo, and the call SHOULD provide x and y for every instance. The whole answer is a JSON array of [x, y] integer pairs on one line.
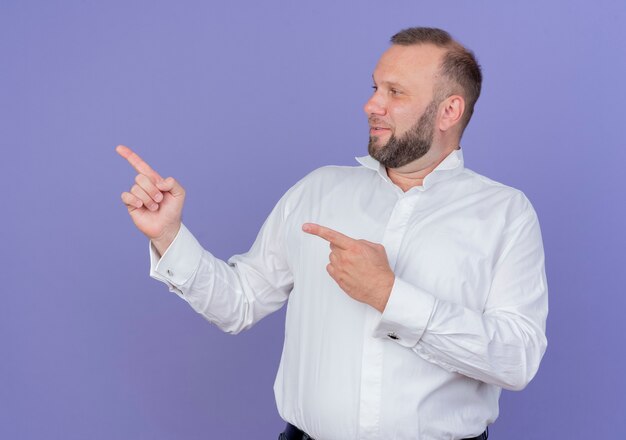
[[238, 100]]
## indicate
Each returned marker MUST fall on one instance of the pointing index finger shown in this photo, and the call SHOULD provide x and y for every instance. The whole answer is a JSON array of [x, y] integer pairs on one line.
[[138, 163], [337, 238]]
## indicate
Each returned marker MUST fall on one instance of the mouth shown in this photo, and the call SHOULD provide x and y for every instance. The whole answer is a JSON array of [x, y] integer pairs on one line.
[[378, 131], [378, 127]]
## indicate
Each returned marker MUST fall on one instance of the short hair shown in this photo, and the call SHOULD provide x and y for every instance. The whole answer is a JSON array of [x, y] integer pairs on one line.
[[459, 65]]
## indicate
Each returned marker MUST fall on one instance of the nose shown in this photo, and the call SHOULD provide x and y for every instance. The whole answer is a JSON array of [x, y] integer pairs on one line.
[[375, 105]]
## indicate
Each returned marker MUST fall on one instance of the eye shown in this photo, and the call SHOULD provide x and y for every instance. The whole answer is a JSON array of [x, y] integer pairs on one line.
[[375, 88], [394, 92]]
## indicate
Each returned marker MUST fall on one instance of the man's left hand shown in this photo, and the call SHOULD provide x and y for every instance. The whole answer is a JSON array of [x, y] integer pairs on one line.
[[359, 267]]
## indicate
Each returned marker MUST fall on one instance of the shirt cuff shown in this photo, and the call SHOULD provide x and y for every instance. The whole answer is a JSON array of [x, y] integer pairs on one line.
[[179, 262], [406, 314]]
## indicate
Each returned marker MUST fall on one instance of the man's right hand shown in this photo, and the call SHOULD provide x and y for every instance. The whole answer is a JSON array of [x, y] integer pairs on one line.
[[154, 204]]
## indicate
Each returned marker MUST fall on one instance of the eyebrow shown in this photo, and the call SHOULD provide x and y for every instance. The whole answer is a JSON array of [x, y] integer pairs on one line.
[[388, 83]]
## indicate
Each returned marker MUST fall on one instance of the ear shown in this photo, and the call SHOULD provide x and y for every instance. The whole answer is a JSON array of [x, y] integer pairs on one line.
[[452, 109]]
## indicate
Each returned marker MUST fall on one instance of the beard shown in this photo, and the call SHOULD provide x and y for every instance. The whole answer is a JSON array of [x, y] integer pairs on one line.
[[412, 145]]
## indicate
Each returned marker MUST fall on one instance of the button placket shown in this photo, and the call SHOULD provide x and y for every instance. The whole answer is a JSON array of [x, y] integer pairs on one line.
[[372, 363]]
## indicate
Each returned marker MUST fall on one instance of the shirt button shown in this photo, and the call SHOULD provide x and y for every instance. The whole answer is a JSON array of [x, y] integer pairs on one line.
[[392, 335], [170, 273]]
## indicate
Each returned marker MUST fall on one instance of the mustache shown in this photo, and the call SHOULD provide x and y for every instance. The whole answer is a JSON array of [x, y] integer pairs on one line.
[[377, 122]]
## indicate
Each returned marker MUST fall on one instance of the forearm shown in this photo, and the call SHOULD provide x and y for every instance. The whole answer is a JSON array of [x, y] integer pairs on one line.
[[500, 347], [232, 296]]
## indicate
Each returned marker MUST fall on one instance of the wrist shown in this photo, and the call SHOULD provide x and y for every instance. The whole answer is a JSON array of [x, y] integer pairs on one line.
[[164, 241], [385, 290]]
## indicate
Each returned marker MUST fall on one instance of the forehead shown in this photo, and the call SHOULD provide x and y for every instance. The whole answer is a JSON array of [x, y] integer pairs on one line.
[[415, 65]]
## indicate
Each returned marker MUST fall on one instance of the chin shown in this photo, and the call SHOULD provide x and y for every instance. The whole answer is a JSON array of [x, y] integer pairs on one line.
[[376, 143]]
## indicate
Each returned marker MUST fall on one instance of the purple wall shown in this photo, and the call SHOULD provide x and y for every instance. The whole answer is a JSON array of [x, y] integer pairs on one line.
[[239, 100]]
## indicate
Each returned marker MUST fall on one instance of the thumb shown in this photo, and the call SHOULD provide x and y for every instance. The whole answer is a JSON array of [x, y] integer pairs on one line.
[[172, 186]]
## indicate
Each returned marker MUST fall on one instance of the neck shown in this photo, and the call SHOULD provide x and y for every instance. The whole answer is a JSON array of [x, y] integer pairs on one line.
[[414, 173]]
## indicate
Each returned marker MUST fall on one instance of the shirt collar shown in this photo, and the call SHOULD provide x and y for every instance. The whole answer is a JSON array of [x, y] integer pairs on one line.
[[452, 165]]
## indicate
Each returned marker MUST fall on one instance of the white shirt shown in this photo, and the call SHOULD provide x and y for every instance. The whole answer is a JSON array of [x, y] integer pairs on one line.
[[466, 316]]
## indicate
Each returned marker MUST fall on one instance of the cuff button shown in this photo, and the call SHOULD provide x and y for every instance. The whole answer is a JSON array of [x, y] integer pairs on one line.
[[170, 273], [392, 335]]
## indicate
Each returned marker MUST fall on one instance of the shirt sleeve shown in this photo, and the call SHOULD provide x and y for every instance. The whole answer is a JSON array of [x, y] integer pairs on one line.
[[502, 344], [233, 295]]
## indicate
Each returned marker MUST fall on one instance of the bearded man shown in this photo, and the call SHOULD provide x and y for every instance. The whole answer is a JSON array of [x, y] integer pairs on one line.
[[416, 288]]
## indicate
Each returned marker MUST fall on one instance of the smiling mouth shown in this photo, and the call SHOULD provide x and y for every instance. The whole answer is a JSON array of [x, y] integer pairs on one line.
[[378, 130], [377, 126]]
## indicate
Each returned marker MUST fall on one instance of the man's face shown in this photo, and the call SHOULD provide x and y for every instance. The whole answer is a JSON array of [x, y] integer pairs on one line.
[[402, 112]]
